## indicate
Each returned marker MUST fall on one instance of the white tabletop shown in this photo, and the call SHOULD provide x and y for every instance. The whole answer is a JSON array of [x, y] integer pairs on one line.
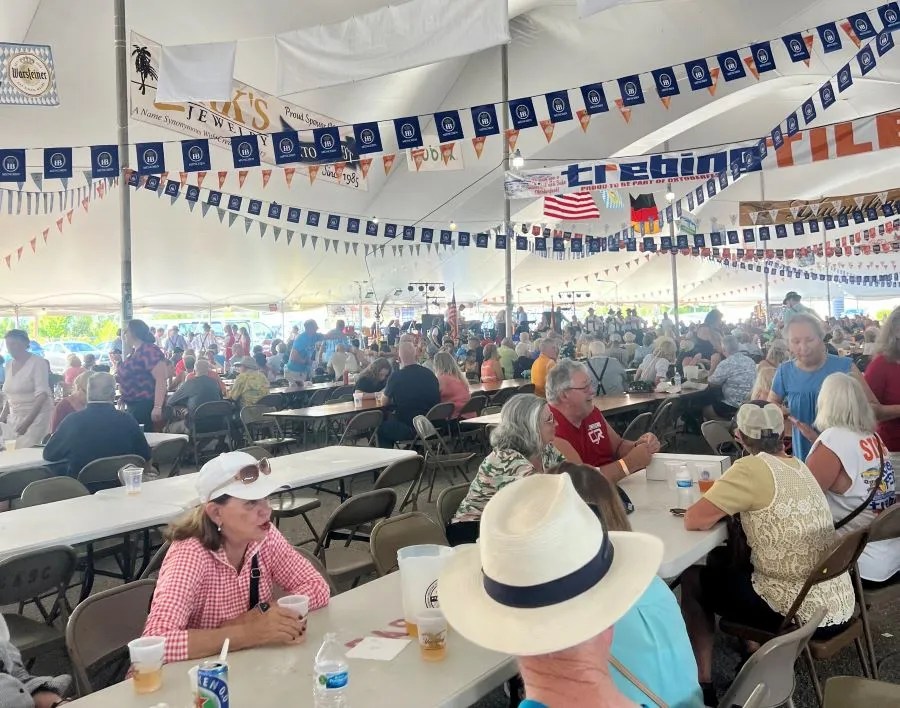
[[300, 469], [154, 439], [76, 521], [276, 676], [492, 419], [683, 548]]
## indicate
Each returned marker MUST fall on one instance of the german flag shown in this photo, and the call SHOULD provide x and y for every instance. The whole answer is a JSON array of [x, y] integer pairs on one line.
[[644, 214]]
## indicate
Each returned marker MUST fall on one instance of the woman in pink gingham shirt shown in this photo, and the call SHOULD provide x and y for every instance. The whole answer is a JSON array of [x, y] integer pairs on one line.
[[204, 590]]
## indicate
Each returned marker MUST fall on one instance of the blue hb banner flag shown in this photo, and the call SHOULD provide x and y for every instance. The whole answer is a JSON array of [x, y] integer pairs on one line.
[[665, 243], [500, 241], [866, 60], [699, 241], [368, 138], [558, 106], [286, 147], [631, 91], [884, 43], [666, 83], [312, 218], [293, 215], [245, 151], [446, 237], [409, 133], [612, 243], [57, 163], [780, 231], [254, 207], [595, 244], [715, 238], [844, 78], [521, 111], [449, 127], [594, 98], [353, 225], [681, 241], [793, 125], [234, 202], [888, 209], [576, 245], [813, 226], [711, 187], [698, 74], [390, 230], [701, 197], [809, 111], [192, 193], [274, 211], [764, 233], [762, 55], [104, 161], [195, 155], [214, 198], [328, 144], [890, 15], [521, 243], [831, 40], [151, 158], [152, 183], [862, 25], [333, 223], [371, 228], [631, 244], [826, 94], [731, 65], [648, 243], [798, 228], [777, 137], [481, 240], [463, 238], [858, 216], [749, 236], [172, 188], [540, 243], [484, 119], [842, 220], [427, 236], [796, 47], [872, 214], [828, 222], [409, 233]]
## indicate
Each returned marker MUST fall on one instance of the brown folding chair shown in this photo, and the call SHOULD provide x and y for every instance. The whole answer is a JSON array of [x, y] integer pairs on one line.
[[317, 564], [408, 471], [437, 455], [53, 489], [886, 526], [448, 502], [263, 430], [166, 457], [362, 427], [103, 473], [12, 483], [101, 627], [391, 534]]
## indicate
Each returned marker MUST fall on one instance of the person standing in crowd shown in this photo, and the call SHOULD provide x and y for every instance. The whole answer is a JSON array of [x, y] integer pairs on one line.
[[496, 592], [848, 459], [591, 323], [582, 433], [228, 344], [412, 391], [734, 376], [143, 376], [883, 377], [97, 431], [303, 353], [797, 382], [793, 307], [543, 364], [175, 340], [332, 339], [29, 403], [206, 339]]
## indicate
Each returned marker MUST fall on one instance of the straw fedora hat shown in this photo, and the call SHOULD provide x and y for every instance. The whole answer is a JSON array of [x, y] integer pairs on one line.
[[545, 574]]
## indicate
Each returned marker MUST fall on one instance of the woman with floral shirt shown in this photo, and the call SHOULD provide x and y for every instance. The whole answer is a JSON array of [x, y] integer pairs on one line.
[[522, 445]]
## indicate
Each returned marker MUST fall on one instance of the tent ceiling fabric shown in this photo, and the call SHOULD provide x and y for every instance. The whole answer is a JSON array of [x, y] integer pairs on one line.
[[182, 259]]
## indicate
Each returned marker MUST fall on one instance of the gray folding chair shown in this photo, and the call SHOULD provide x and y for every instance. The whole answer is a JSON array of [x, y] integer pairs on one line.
[[53, 489], [885, 526], [262, 430], [341, 391], [12, 483], [210, 427], [390, 535], [103, 624], [448, 502], [638, 426], [408, 471], [845, 691], [772, 664], [362, 427], [663, 425], [717, 434], [103, 473], [156, 562], [437, 455], [166, 457], [317, 564], [503, 395], [526, 388]]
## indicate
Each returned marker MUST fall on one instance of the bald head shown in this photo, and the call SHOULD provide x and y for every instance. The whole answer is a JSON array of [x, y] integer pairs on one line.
[[407, 353]]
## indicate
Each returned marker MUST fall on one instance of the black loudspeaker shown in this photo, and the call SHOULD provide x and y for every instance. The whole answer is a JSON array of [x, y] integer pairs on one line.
[[429, 321]]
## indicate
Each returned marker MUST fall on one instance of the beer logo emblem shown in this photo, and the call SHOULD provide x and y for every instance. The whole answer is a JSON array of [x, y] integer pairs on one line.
[[484, 119], [731, 64], [195, 154], [367, 136], [10, 163], [214, 198], [593, 97], [150, 157], [795, 46], [104, 159], [631, 89], [883, 40], [890, 16], [826, 94], [861, 25], [193, 192], [448, 124], [245, 150], [29, 74], [286, 145], [665, 80], [866, 59], [333, 221], [408, 130], [522, 111], [763, 56], [57, 160], [431, 596], [829, 36], [559, 106], [809, 110], [327, 142], [698, 73]]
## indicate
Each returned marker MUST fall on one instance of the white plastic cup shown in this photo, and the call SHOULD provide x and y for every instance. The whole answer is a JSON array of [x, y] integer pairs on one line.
[[9, 444], [131, 478], [295, 603], [672, 469], [146, 655], [357, 398]]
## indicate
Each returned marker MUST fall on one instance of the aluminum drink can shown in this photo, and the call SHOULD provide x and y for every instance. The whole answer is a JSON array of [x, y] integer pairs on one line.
[[212, 684]]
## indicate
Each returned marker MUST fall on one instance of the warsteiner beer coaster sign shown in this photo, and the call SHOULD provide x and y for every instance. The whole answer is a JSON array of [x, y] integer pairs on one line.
[[27, 76]]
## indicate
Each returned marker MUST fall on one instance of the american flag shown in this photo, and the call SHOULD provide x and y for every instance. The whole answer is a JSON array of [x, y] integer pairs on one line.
[[571, 207], [453, 317]]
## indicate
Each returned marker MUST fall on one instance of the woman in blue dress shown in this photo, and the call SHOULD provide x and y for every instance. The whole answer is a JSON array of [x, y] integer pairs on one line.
[[798, 381]]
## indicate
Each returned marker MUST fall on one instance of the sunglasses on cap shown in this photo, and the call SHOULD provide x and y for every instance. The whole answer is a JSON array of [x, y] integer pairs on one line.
[[248, 474]]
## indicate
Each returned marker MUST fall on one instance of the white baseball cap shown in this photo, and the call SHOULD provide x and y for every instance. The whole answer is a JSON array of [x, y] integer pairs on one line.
[[221, 475]]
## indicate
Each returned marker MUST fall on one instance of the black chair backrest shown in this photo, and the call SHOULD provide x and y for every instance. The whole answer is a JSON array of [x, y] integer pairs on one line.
[[503, 395], [211, 417], [103, 473], [318, 397], [12, 483], [166, 456], [638, 426], [475, 405], [440, 412], [339, 391]]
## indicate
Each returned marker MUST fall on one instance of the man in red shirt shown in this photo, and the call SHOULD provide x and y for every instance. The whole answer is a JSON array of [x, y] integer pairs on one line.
[[582, 433]]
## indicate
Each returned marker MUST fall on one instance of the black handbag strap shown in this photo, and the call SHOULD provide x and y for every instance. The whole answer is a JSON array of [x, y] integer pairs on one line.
[[601, 389], [254, 582], [862, 507]]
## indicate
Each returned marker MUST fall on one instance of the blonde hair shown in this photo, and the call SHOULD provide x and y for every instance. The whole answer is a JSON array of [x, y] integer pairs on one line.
[[777, 352], [888, 344], [197, 524], [490, 352], [842, 403], [765, 376], [444, 363], [665, 348]]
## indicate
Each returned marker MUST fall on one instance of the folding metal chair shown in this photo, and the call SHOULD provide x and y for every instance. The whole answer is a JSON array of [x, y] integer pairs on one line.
[[408, 471], [448, 502], [638, 426], [438, 455], [103, 473], [264, 431], [210, 427], [166, 457], [12, 483], [390, 535]]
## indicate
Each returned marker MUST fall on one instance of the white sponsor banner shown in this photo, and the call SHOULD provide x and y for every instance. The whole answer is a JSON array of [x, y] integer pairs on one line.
[[435, 157], [827, 142], [249, 111], [27, 75]]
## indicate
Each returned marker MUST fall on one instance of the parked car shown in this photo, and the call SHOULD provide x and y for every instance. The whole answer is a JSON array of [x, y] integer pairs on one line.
[[57, 353]]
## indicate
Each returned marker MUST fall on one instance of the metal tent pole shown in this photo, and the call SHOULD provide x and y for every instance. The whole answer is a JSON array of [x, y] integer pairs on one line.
[[504, 110], [121, 47], [827, 280]]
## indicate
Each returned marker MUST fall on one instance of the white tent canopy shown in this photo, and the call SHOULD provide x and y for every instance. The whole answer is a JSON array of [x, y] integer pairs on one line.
[[183, 260]]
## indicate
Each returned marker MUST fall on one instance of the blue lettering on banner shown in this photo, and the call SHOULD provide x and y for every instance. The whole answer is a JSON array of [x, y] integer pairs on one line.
[[254, 207], [172, 188], [104, 161], [762, 55], [809, 111], [293, 215], [631, 91], [780, 231], [826, 94], [862, 25], [195, 155], [448, 126], [409, 134], [368, 138], [446, 237], [844, 78], [151, 158], [796, 47], [484, 119], [666, 83], [463, 238], [245, 151], [371, 228], [427, 235], [698, 74], [884, 43], [731, 65], [234, 202], [409, 233], [558, 106], [215, 198], [866, 60], [390, 230], [192, 193], [594, 98], [521, 243], [521, 111], [334, 222], [890, 15], [353, 225], [831, 40], [286, 147], [152, 183], [327, 144], [312, 218], [57, 163], [274, 211]]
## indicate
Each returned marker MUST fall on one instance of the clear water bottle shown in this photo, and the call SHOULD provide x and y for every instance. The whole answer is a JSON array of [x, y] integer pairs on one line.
[[676, 381], [331, 673], [684, 484]]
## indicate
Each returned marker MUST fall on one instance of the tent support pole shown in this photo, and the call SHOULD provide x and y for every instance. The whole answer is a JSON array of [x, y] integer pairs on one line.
[[766, 285], [827, 281], [762, 195], [124, 193], [674, 257], [504, 64]]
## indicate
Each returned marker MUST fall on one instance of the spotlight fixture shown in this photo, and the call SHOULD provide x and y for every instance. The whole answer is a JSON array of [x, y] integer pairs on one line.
[[375, 220], [452, 225], [421, 288], [410, 288], [518, 161], [670, 196], [443, 288], [431, 288]]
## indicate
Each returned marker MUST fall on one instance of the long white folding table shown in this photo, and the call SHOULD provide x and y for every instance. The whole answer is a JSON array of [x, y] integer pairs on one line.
[[274, 676]]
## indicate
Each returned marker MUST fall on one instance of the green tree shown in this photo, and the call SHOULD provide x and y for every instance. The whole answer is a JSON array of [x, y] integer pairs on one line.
[[52, 327]]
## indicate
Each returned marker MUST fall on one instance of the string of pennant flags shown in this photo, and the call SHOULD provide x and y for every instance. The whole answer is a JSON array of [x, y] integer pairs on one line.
[[327, 146], [51, 201]]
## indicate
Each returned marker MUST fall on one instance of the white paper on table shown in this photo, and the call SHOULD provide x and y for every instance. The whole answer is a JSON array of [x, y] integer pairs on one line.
[[378, 648]]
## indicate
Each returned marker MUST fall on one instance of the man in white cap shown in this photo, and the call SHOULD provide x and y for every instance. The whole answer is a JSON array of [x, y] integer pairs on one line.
[[545, 583]]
